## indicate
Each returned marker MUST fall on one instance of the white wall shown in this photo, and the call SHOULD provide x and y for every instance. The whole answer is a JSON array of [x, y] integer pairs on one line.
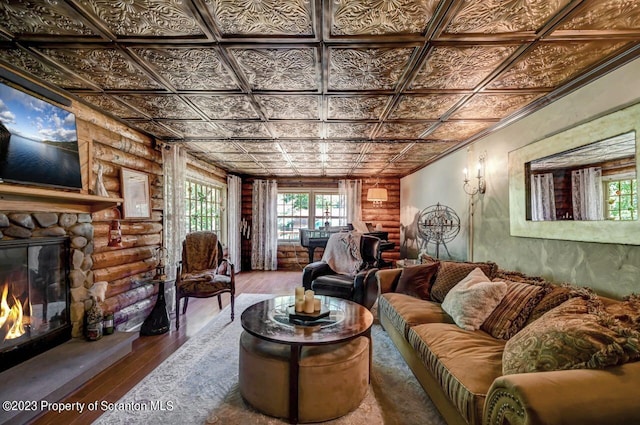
[[608, 268]]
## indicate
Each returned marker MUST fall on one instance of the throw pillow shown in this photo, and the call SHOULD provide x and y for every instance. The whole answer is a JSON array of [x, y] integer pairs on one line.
[[511, 314], [577, 334], [416, 280], [452, 272], [473, 299], [556, 296], [627, 312]]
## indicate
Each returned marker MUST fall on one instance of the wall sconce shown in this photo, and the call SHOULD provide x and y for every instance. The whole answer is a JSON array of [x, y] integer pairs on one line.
[[115, 231], [377, 195], [481, 188]]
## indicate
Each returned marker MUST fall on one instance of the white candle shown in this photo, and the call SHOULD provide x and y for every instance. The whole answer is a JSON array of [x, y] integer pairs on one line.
[[309, 293], [299, 305], [316, 304], [308, 304], [299, 292]]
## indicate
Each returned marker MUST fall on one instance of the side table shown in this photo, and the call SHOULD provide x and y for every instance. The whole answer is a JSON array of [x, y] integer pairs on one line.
[[157, 322]]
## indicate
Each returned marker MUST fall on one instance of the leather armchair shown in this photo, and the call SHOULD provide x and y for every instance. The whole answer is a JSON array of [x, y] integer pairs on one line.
[[361, 288]]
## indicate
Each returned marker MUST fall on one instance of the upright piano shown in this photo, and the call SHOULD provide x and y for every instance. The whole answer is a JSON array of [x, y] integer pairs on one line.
[[315, 238]]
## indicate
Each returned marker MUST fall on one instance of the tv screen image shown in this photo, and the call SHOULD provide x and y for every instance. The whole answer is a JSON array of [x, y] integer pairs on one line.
[[38, 141]]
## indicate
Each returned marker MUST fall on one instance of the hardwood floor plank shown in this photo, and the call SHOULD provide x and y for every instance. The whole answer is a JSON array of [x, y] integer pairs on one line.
[[150, 351]]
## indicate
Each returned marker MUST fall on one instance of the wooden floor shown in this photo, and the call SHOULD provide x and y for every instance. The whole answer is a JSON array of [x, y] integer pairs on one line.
[[149, 351]]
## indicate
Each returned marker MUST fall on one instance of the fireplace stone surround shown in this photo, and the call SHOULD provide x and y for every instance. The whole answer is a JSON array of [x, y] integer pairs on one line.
[[79, 229]]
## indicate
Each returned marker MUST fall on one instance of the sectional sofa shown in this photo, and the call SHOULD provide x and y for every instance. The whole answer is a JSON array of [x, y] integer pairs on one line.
[[544, 354]]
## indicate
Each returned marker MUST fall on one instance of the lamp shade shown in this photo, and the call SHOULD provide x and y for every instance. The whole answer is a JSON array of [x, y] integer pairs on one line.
[[378, 194]]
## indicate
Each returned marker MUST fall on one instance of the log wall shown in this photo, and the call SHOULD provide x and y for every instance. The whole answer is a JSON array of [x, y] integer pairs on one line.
[[292, 256], [114, 146]]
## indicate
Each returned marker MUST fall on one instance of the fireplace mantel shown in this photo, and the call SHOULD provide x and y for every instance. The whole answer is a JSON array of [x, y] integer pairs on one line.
[[20, 198]]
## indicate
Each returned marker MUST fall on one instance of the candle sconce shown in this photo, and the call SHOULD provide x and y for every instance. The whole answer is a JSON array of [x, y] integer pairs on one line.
[[481, 186]]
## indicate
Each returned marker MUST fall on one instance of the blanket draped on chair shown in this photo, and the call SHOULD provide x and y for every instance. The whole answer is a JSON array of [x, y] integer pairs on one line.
[[342, 253], [201, 252]]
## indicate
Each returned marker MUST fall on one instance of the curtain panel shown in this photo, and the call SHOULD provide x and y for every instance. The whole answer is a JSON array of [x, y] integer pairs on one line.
[[174, 172], [543, 203], [352, 192], [234, 211], [264, 238], [587, 195]]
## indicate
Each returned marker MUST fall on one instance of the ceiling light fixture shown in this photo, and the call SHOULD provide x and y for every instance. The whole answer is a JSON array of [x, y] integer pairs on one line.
[[377, 195]]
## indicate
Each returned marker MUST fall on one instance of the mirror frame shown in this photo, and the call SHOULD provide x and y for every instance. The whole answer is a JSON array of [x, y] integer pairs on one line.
[[602, 231]]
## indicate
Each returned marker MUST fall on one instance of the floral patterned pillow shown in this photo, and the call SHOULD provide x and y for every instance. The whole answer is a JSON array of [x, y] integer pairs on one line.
[[578, 334]]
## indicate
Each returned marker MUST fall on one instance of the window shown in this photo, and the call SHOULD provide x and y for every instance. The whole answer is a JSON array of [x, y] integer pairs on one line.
[[295, 211], [203, 206], [622, 199]]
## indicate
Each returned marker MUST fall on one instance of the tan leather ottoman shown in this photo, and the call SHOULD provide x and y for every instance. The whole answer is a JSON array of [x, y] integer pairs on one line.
[[333, 379]]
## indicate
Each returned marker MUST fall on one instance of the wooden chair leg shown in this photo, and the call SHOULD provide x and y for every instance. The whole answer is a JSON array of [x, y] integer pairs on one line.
[[219, 301], [186, 303], [232, 306], [177, 310]]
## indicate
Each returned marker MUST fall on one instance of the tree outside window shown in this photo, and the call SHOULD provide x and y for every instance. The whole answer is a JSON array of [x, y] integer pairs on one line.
[[308, 210], [622, 200], [203, 207]]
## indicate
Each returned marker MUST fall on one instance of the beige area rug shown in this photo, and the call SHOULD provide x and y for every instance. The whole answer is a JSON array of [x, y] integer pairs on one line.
[[198, 384]]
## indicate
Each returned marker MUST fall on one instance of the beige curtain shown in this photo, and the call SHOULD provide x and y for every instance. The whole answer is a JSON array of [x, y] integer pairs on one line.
[[351, 190], [234, 212], [264, 236]]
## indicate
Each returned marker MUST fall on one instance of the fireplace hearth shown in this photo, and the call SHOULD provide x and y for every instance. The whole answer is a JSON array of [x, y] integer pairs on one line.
[[34, 297]]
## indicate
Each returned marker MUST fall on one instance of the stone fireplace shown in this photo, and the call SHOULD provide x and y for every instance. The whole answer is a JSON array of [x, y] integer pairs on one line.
[[45, 270]]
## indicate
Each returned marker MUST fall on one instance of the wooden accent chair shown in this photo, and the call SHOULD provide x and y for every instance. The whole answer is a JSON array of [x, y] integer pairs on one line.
[[203, 271]]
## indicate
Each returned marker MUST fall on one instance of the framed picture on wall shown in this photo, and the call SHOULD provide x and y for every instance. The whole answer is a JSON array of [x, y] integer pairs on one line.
[[135, 191]]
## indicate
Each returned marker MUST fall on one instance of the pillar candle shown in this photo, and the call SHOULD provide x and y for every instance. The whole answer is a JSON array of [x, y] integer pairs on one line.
[[299, 305], [308, 303], [316, 304], [309, 293], [299, 292]]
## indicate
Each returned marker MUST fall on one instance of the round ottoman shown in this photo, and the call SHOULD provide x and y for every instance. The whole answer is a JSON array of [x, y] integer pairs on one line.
[[333, 379]]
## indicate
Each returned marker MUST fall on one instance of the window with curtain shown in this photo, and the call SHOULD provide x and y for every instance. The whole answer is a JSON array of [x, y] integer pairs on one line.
[[308, 209], [622, 199], [203, 206]]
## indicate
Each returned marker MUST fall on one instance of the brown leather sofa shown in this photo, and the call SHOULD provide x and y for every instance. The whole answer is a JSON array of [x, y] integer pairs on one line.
[[361, 288], [461, 371]]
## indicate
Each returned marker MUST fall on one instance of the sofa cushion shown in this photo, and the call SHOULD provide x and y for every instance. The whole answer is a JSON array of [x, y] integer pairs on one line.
[[405, 311], [473, 299], [417, 280], [512, 312], [556, 296], [452, 272], [578, 334], [465, 363]]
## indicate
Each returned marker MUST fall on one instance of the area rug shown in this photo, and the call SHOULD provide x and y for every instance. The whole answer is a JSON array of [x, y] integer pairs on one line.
[[198, 384]]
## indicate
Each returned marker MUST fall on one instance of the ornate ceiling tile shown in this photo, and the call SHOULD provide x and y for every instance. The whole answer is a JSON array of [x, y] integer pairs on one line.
[[225, 107], [489, 106], [41, 17], [296, 130], [151, 127], [331, 157], [189, 68], [606, 15], [292, 146], [110, 105], [23, 60], [390, 147], [460, 67], [357, 107], [255, 146], [194, 128], [304, 107], [105, 67], [304, 157], [291, 172], [346, 146], [499, 16], [367, 69], [427, 149], [458, 130], [366, 17], [278, 69], [160, 106], [237, 157], [421, 107], [266, 17], [242, 129], [549, 64], [403, 130], [345, 130], [222, 147], [376, 158], [145, 17]]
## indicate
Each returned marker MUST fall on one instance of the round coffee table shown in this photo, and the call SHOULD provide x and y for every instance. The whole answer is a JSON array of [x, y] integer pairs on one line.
[[269, 320]]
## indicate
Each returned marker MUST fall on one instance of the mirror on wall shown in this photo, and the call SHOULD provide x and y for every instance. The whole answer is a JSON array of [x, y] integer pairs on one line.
[[589, 171], [596, 181]]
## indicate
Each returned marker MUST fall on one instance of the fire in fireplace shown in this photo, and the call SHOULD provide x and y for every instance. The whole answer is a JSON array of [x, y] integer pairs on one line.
[[34, 297]]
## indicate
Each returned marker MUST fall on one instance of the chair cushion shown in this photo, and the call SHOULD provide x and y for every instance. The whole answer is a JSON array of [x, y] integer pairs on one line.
[[334, 285]]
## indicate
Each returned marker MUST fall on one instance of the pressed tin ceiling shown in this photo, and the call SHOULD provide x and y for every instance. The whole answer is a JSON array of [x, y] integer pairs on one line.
[[318, 88]]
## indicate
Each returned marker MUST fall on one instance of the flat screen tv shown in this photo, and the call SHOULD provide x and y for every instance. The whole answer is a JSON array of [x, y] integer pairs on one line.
[[38, 142]]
